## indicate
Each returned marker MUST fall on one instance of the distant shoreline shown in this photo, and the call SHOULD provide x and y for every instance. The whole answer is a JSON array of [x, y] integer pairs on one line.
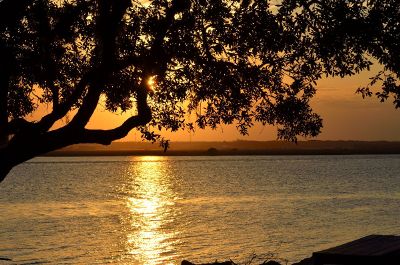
[[235, 148]]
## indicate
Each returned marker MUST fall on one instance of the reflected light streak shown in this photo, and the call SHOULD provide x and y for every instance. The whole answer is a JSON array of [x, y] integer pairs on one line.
[[152, 238]]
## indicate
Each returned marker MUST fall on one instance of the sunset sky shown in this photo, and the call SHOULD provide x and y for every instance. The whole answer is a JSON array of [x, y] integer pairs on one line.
[[345, 114], [346, 117]]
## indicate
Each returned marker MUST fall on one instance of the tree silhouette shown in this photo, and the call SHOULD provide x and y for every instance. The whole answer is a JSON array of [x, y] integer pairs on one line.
[[222, 61]]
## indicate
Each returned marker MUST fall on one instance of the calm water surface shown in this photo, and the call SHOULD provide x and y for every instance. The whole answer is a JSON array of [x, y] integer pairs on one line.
[[160, 210]]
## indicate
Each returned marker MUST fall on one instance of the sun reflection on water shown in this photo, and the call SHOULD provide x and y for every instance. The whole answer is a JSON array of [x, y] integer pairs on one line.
[[152, 238]]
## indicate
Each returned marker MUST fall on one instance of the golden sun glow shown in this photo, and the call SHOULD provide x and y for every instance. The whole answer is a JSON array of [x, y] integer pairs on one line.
[[151, 82]]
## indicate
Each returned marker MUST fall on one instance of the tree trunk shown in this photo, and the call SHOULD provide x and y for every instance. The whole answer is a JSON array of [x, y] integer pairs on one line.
[[29, 144], [4, 170], [5, 166], [25, 147], [4, 78]]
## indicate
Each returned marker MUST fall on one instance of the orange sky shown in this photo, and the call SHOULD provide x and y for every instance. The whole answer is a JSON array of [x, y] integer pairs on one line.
[[346, 117]]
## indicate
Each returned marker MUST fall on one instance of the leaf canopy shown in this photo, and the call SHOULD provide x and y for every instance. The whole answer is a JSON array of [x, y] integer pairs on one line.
[[220, 61]]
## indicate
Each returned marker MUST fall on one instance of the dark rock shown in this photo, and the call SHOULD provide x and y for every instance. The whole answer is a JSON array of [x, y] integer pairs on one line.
[[307, 261], [185, 262]]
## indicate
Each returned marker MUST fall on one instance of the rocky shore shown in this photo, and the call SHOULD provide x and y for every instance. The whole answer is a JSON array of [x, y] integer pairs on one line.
[[307, 261]]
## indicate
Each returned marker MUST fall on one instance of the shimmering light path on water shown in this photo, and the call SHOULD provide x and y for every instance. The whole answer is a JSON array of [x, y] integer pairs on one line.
[[160, 210], [151, 204]]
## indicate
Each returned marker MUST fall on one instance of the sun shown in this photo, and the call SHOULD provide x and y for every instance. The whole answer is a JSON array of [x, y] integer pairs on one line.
[[151, 82]]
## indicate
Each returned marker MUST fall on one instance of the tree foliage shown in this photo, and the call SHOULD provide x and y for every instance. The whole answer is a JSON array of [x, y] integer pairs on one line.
[[220, 61]]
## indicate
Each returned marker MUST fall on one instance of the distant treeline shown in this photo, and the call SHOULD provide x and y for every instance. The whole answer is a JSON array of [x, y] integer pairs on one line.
[[233, 148]]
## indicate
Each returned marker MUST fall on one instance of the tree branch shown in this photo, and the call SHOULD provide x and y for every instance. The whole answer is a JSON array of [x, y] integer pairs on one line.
[[17, 125], [88, 106], [63, 108], [4, 86], [105, 137], [109, 23]]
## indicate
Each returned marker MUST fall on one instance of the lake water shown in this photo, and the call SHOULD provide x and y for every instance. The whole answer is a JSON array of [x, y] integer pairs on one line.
[[160, 210]]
